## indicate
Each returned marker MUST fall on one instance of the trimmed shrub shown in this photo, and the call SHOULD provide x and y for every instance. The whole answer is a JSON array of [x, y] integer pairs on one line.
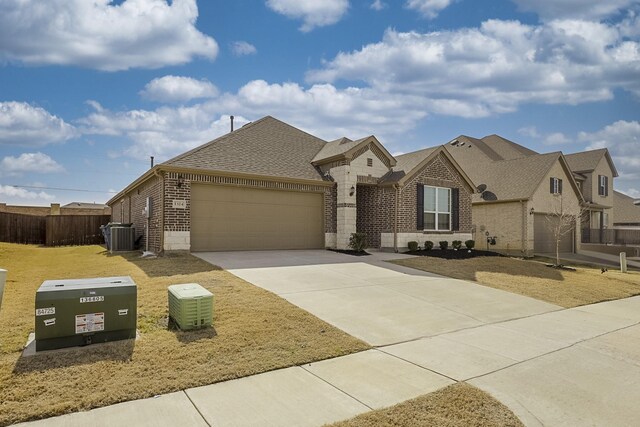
[[470, 244], [443, 245], [358, 242], [456, 244], [413, 246], [428, 245]]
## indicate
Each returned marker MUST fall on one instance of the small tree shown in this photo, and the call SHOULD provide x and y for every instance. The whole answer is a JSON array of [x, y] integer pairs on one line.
[[561, 222]]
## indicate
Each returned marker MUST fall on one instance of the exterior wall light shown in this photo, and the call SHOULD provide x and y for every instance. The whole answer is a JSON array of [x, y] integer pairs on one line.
[[352, 191], [532, 211]]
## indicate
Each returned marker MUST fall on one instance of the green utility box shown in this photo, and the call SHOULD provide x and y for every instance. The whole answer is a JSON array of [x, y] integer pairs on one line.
[[190, 306], [84, 311]]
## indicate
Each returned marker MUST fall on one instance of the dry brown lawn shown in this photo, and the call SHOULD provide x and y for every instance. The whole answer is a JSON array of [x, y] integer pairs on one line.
[[255, 331], [586, 285], [459, 405]]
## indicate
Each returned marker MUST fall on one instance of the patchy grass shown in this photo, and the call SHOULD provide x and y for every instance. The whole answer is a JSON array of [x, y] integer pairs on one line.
[[586, 285], [255, 331], [459, 405]]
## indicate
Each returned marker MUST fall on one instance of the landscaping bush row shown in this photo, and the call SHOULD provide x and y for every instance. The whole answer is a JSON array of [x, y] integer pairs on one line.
[[444, 245]]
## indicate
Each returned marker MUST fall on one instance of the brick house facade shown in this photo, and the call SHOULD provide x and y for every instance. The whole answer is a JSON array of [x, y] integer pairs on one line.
[[362, 187]]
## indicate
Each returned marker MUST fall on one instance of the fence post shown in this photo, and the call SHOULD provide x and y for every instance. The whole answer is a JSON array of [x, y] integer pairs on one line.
[[623, 262], [3, 278]]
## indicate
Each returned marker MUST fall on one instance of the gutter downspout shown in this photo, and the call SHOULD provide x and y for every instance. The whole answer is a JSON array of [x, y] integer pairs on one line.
[[524, 226], [161, 176], [395, 221]]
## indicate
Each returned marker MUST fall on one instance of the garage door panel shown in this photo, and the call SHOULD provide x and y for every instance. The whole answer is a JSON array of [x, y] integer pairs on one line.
[[235, 218], [544, 239]]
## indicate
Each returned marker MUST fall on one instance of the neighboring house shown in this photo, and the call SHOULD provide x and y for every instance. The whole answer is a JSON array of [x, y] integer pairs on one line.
[[594, 171], [627, 212], [520, 195], [269, 185], [74, 208]]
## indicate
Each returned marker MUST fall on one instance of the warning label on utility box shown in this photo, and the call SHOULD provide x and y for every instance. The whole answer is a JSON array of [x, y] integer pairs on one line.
[[90, 322]]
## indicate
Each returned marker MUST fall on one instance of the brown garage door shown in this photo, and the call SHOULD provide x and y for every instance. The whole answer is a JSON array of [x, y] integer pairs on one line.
[[232, 218], [544, 239]]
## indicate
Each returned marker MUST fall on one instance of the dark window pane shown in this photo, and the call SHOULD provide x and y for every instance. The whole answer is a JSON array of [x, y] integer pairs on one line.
[[444, 221], [429, 221]]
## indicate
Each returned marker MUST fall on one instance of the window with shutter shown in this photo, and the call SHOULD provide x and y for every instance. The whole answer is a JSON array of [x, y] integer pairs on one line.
[[437, 209]]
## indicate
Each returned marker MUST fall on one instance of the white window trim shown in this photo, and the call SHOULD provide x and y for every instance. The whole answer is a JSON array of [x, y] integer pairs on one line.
[[602, 185], [436, 212]]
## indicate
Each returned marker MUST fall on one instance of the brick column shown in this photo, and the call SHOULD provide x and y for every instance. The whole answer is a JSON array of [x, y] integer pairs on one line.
[[346, 207]]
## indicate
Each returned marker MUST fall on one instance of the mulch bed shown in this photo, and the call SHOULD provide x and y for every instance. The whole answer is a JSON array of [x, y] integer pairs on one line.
[[453, 254], [350, 252]]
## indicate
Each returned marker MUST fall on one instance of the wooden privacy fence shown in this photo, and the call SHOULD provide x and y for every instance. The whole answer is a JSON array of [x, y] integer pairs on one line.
[[52, 230], [65, 230], [19, 228]]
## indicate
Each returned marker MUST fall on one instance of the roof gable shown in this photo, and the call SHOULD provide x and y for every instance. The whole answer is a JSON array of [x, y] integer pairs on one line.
[[587, 161], [411, 163], [346, 149], [266, 147]]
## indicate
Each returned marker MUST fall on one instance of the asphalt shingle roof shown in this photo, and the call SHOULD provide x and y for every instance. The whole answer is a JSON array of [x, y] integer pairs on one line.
[[624, 209], [405, 163], [585, 160], [507, 150], [515, 176], [266, 147], [337, 147]]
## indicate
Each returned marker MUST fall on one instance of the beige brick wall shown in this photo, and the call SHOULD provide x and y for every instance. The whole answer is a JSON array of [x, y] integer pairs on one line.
[[359, 165], [505, 221], [603, 169], [511, 222]]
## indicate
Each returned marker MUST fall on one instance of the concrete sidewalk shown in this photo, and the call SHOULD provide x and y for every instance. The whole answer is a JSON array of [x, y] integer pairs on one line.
[[577, 366], [595, 259]]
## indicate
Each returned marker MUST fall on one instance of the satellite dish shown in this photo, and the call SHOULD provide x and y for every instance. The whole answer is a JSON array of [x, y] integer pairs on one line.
[[489, 196], [481, 188]]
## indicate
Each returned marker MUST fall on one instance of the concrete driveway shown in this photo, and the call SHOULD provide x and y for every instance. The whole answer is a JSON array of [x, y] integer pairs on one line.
[[374, 300], [551, 366]]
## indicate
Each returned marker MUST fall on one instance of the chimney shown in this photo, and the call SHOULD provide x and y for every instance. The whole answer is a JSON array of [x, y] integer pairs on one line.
[[152, 162], [231, 117]]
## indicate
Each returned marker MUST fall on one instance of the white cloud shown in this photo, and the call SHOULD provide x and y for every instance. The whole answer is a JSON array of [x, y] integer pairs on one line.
[[622, 139], [178, 89], [378, 5], [102, 35], [476, 72], [29, 162], [313, 13], [242, 48], [11, 194], [557, 138], [428, 8], [322, 110], [580, 9], [530, 131], [24, 124]]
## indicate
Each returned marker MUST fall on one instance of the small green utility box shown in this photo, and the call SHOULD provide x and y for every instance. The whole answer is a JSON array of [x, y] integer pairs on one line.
[[84, 311], [190, 306]]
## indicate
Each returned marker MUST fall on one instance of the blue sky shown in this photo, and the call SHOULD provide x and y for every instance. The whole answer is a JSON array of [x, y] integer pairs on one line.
[[90, 90]]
